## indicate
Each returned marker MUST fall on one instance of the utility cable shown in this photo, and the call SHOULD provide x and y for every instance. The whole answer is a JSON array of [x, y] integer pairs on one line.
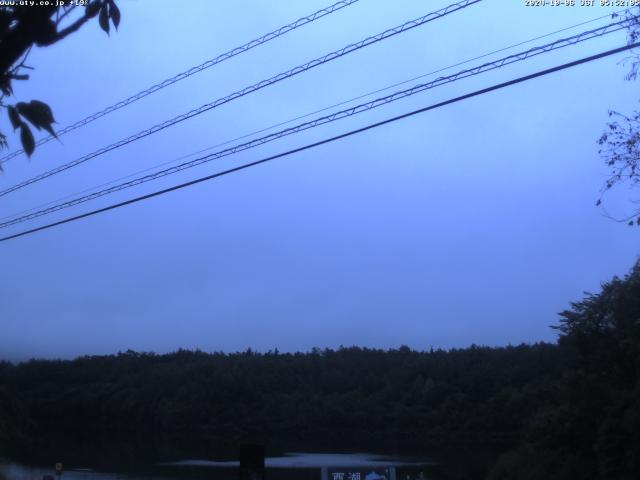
[[306, 115], [581, 37], [240, 93], [181, 76], [329, 140], [255, 87]]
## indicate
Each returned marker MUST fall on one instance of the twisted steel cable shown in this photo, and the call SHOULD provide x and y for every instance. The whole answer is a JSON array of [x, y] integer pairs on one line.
[[517, 57], [250, 89], [181, 76], [306, 115], [328, 140]]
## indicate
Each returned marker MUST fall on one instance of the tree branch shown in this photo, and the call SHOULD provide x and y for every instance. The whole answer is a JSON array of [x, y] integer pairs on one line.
[[68, 30]]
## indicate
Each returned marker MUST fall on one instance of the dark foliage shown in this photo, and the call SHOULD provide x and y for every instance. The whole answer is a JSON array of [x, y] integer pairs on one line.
[[620, 143], [590, 428], [542, 411], [21, 28], [403, 400]]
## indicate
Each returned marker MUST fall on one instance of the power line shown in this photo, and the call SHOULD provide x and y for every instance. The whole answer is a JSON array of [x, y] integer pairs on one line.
[[331, 139], [344, 102], [508, 60], [247, 90], [203, 66]]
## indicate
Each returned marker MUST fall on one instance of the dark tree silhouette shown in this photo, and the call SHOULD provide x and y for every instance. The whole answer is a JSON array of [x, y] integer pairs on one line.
[[543, 411], [23, 27], [620, 143], [589, 425]]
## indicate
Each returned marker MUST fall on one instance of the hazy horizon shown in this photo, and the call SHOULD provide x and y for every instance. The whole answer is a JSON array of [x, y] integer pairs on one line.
[[472, 223]]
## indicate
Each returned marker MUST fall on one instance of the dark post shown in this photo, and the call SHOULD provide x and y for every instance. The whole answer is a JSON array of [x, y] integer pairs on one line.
[[252, 462]]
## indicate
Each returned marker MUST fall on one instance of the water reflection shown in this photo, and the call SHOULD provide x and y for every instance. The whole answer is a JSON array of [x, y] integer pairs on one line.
[[291, 466]]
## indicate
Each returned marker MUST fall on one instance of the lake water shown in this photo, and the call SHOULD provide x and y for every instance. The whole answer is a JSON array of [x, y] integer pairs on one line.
[[290, 466]]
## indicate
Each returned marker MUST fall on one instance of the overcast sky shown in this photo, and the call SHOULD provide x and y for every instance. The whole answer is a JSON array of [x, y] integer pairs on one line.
[[472, 223]]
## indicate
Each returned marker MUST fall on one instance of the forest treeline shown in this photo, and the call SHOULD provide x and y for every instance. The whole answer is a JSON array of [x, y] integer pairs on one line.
[[544, 411]]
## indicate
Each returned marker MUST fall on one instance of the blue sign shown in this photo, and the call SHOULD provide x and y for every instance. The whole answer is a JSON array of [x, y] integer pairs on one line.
[[358, 474]]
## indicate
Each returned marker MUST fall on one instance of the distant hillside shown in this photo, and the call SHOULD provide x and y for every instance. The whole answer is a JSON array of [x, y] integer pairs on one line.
[[549, 411]]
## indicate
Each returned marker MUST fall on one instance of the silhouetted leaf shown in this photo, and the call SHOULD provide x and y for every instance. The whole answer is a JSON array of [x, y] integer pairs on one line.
[[104, 18], [38, 113], [5, 85], [45, 114], [26, 137], [114, 13], [92, 9], [3, 144], [14, 117], [27, 112], [44, 111]]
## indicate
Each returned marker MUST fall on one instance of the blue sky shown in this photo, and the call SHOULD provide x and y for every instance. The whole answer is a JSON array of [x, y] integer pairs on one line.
[[473, 223]]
